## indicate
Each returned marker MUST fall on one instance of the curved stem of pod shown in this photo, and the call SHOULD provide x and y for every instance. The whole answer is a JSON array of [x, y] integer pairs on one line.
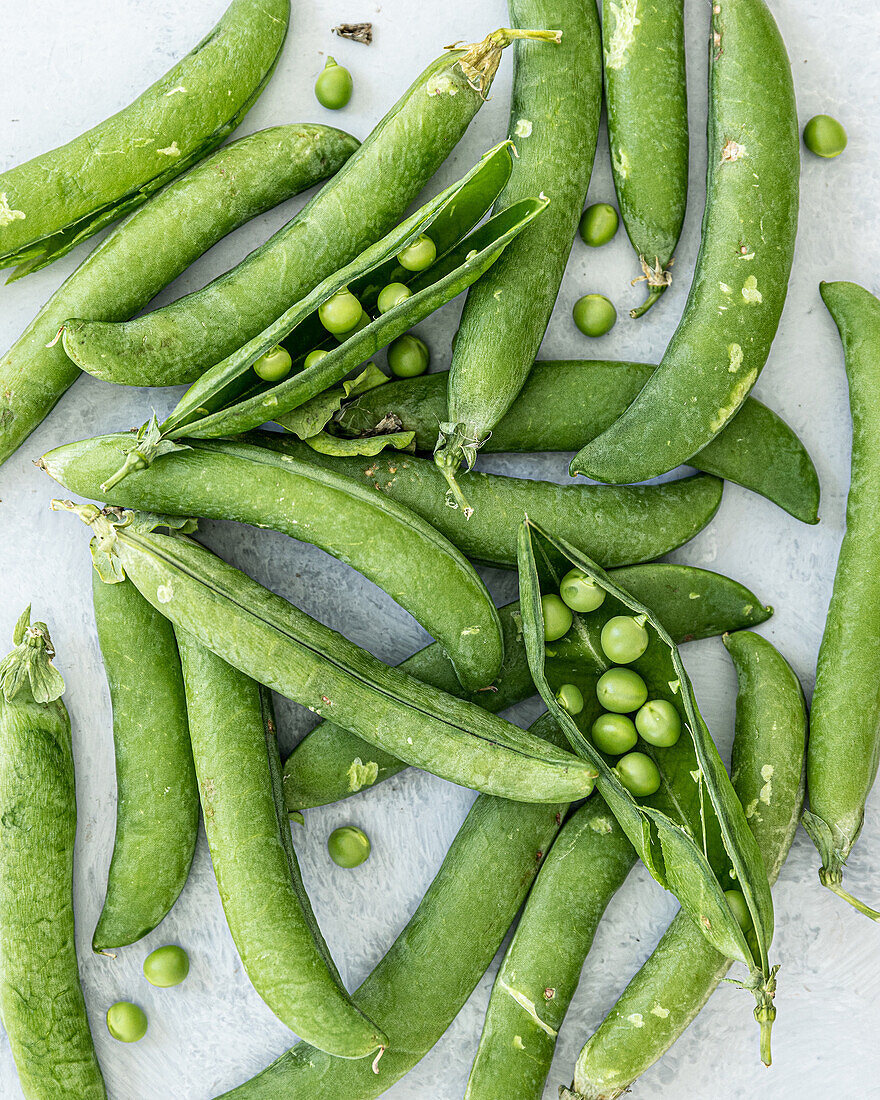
[[653, 296], [480, 62], [833, 879]]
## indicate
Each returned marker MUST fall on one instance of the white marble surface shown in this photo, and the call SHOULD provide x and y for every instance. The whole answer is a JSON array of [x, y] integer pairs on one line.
[[68, 65]]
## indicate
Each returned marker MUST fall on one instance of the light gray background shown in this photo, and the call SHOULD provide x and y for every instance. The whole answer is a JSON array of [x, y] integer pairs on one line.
[[68, 65]]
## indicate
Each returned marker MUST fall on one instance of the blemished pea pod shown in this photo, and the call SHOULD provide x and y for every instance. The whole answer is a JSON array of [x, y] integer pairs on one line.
[[845, 717], [395, 548], [330, 763], [432, 967], [722, 342], [757, 449], [138, 258], [235, 748], [386, 175], [554, 122], [51, 203], [280, 646], [41, 999], [692, 833], [645, 78], [157, 800], [678, 978], [586, 866]]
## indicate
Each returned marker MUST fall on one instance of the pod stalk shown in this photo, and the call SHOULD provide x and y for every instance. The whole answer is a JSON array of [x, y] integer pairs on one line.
[[835, 884], [480, 61]]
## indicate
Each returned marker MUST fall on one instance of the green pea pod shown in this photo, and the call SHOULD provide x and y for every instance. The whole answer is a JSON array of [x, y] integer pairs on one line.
[[722, 342], [675, 982], [235, 748], [51, 203], [41, 1000], [330, 763], [280, 646], [757, 449], [157, 802], [395, 548], [845, 722], [692, 834], [645, 78]]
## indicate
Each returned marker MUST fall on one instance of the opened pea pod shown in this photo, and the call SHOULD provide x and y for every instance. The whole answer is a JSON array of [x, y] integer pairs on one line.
[[675, 800]]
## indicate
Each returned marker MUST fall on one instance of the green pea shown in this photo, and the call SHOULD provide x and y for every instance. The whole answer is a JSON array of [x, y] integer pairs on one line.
[[621, 690], [581, 592], [166, 966], [363, 321], [274, 364], [659, 723], [315, 357], [334, 86], [341, 312], [557, 618], [408, 356], [126, 1022], [740, 909], [594, 315], [598, 224], [392, 295], [614, 734], [570, 698], [639, 774], [824, 136], [419, 255], [348, 846], [624, 638]]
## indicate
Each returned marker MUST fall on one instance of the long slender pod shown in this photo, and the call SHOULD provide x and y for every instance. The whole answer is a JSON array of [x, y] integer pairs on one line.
[[845, 724], [722, 342], [678, 978], [554, 122]]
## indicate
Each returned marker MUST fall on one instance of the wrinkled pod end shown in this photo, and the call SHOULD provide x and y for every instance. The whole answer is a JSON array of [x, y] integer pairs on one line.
[[29, 665], [480, 61]]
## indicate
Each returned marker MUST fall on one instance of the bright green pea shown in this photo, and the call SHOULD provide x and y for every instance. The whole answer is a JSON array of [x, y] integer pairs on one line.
[[419, 255], [408, 356], [594, 315], [581, 592], [598, 224], [639, 774], [334, 86], [557, 618], [348, 846], [362, 323], [392, 295], [614, 734], [341, 312], [740, 909], [166, 966], [274, 364], [624, 638], [659, 723], [126, 1022], [621, 690], [315, 357], [824, 136], [569, 697]]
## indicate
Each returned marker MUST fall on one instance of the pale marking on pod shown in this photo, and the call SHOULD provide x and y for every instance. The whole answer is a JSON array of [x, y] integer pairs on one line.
[[523, 128], [165, 593], [7, 214], [518, 1043], [737, 396], [696, 775], [750, 291], [174, 91], [471, 630], [752, 809], [623, 36], [693, 595], [766, 792], [747, 255], [636, 1019], [620, 161], [170, 150], [362, 775], [674, 686], [659, 1010], [601, 825], [528, 1006], [735, 354], [732, 151], [725, 288], [441, 84]]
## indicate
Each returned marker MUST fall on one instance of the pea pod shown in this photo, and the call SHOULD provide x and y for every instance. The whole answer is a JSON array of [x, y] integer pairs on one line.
[[41, 1000], [722, 342], [51, 203], [330, 763], [268, 911], [280, 646], [692, 833], [140, 256], [157, 802], [678, 978], [845, 742], [757, 449]]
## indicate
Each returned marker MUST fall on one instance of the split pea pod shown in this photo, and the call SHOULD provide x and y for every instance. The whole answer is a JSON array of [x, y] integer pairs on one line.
[[138, 258], [268, 911], [157, 801], [845, 742], [722, 342], [51, 203], [678, 978], [41, 1000]]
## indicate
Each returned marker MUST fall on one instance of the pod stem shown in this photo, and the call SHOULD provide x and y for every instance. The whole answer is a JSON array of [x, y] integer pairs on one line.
[[457, 444], [834, 884], [28, 668], [658, 279], [655, 294], [480, 61], [765, 1012]]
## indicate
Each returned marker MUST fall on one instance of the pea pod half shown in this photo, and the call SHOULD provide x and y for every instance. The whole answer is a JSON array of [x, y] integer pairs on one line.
[[691, 833]]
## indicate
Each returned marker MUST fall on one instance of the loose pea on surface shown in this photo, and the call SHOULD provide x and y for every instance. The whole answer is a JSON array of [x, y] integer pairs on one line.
[[166, 966], [392, 295], [624, 638], [348, 846], [570, 698], [639, 774], [126, 1022], [594, 314], [598, 224], [341, 312], [740, 909], [315, 356], [274, 364], [621, 690], [419, 255], [408, 356], [824, 136], [334, 86], [581, 592], [557, 618], [659, 723], [614, 734]]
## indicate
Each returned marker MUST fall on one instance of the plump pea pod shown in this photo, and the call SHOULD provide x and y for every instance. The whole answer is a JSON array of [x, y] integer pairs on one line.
[[395, 548], [235, 747], [157, 800], [646, 103], [586, 866], [51, 203], [845, 720], [741, 279], [359, 206], [432, 967], [757, 449], [140, 256], [41, 1000], [676, 981], [330, 763], [280, 646], [692, 834], [554, 121]]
